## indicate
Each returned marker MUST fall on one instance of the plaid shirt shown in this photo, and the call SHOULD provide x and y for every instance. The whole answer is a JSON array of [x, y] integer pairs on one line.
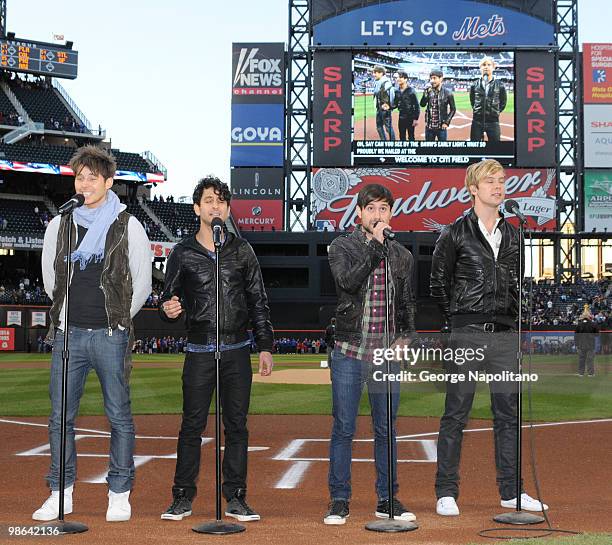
[[373, 323], [434, 110]]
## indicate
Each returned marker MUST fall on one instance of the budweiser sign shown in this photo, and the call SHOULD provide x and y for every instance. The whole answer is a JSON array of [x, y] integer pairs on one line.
[[425, 199]]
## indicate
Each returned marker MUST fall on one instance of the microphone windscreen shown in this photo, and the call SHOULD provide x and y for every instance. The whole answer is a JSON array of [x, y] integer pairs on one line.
[[511, 205], [216, 222]]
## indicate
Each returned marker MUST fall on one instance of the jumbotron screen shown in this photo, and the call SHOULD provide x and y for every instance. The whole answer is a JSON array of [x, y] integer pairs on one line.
[[432, 107]]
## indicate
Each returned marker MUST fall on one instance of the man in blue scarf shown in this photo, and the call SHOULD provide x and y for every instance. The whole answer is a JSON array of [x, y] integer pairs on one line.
[[111, 280]]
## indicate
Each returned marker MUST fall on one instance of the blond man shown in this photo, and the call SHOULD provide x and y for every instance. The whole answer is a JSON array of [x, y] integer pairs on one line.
[[474, 280], [488, 98]]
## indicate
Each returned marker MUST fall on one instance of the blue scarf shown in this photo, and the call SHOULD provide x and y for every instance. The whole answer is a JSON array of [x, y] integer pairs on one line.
[[97, 222]]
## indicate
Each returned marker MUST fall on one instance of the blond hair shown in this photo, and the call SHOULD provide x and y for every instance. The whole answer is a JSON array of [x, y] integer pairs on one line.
[[487, 58], [478, 171]]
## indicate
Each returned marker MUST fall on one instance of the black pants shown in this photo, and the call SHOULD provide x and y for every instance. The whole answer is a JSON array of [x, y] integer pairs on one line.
[[491, 127], [586, 358], [198, 387], [405, 125], [500, 355]]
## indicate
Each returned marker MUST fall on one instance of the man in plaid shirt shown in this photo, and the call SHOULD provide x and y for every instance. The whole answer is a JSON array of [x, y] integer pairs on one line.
[[357, 261]]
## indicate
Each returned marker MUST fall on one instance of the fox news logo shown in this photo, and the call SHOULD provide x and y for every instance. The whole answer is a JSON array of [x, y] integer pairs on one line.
[[255, 75]]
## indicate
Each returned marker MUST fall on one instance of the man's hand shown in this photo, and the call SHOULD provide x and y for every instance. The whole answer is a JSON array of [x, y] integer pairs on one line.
[[415, 122], [377, 232], [444, 126], [265, 364], [384, 107], [172, 308]]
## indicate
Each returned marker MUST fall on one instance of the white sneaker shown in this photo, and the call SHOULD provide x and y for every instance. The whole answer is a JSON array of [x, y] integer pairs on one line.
[[527, 503], [119, 508], [50, 509], [447, 507]]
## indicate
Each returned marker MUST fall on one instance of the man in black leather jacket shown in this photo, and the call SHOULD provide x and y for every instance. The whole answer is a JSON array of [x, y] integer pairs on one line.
[[190, 288], [474, 279], [488, 98], [357, 264]]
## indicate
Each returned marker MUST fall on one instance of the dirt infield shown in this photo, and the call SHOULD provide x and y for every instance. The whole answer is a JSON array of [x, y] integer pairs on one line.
[[288, 476]]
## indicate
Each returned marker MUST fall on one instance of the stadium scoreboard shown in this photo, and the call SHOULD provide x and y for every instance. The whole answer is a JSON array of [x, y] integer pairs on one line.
[[38, 58]]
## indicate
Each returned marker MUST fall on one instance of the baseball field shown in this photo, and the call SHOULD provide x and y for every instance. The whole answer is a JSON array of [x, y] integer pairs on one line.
[[568, 428]]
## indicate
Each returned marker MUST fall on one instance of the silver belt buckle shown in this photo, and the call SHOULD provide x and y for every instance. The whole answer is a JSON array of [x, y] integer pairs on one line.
[[489, 327]]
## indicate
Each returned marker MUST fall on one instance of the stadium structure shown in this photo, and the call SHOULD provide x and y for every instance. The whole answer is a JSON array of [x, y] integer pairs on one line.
[[41, 126]]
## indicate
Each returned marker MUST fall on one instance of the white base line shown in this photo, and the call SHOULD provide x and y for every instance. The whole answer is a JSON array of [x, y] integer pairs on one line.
[[293, 476], [542, 425]]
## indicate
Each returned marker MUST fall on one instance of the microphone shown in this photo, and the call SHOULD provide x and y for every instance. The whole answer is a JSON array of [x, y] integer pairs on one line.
[[387, 233], [512, 207], [74, 202], [217, 227]]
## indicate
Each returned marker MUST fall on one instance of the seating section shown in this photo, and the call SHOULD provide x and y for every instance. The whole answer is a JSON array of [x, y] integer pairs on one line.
[[44, 105], [176, 216], [153, 230], [8, 114], [36, 152], [131, 161], [21, 217]]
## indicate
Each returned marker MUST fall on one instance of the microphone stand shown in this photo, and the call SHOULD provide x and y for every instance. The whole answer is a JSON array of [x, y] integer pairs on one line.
[[60, 525], [390, 525], [218, 526], [519, 517]]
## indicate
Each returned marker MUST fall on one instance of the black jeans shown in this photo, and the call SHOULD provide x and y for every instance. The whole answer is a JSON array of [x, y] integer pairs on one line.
[[490, 127], [586, 358], [404, 125], [500, 355], [198, 387]]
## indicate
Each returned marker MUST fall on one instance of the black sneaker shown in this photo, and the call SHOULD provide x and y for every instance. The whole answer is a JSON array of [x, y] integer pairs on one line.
[[337, 513], [179, 508], [238, 508], [399, 511]]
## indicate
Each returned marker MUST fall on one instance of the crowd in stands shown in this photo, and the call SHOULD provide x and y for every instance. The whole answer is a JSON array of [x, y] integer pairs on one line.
[[561, 304], [554, 306], [21, 290]]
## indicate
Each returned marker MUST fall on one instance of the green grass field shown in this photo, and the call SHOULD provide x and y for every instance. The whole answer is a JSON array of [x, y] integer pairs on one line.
[[462, 103], [584, 539], [558, 395]]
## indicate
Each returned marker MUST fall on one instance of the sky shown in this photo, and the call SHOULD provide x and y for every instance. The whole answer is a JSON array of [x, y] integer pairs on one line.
[[157, 74]]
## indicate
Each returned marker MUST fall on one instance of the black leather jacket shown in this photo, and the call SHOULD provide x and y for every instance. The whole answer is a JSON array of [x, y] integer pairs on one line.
[[352, 262], [446, 103], [190, 275], [468, 283], [490, 105], [407, 104]]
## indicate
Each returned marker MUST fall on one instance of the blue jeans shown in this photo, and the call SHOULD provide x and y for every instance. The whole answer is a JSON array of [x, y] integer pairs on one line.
[[348, 378], [431, 134], [383, 121], [93, 349]]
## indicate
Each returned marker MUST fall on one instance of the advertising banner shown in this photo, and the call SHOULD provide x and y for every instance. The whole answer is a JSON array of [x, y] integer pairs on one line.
[[535, 109], [332, 114], [597, 135], [7, 338], [257, 214], [257, 135], [597, 73], [598, 200], [258, 73], [426, 199], [443, 22]]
